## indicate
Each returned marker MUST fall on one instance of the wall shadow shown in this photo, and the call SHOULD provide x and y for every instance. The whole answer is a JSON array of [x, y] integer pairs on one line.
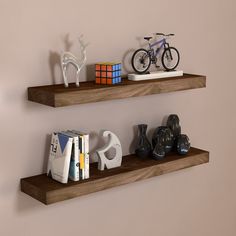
[[26, 204], [90, 72], [54, 62], [46, 152], [54, 58], [134, 142], [141, 41], [96, 142], [126, 61]]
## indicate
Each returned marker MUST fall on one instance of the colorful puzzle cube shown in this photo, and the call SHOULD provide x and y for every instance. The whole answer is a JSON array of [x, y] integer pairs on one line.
[[108, 73]]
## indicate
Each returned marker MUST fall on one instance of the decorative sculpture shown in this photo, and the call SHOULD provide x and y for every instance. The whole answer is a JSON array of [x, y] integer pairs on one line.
[[174, 124], [143, 58], [169, 138], [68, 58], [162, 141], [143, 148], [113, 142], [183, 144]]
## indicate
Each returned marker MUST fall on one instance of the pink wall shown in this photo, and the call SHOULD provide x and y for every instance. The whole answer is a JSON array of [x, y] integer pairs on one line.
[[192, 202]]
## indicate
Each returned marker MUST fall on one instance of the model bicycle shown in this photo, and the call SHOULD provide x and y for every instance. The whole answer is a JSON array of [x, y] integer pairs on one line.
[[142, 58]]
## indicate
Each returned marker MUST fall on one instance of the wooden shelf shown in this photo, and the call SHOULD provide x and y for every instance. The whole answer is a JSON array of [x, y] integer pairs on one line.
[[88, 92], [133, 169]]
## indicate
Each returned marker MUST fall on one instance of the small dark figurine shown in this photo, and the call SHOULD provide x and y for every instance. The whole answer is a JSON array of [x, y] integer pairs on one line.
[[173, 124], [144, 148], [183, 144], [169, 138], [159, 152], [164, 136]]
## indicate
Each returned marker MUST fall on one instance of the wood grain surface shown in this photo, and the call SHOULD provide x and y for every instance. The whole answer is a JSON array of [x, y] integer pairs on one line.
[[88, 92], [133, 169]]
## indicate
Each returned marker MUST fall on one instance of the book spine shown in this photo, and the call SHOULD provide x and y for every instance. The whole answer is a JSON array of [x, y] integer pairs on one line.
[[52, 153], [74, 163], [81, 161], [67, 159], [86, 155]]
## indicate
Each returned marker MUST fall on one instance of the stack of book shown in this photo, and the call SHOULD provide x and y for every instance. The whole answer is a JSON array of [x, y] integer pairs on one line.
[[69, 156]]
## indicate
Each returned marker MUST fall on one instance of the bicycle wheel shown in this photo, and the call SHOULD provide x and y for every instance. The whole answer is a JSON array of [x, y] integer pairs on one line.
[[170, 58], [141, 61]]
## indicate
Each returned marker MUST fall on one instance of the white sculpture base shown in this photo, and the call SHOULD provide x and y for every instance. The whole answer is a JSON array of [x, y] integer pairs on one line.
[[155, 75]]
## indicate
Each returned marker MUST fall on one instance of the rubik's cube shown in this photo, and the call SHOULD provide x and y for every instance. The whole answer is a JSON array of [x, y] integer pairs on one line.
[[108, 73]]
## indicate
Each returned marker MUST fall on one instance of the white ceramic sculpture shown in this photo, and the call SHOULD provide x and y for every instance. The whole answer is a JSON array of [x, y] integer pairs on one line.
[[68, 58], [113, 142]]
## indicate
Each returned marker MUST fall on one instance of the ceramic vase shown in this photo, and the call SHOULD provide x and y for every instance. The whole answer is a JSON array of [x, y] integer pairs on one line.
[[144, 148]]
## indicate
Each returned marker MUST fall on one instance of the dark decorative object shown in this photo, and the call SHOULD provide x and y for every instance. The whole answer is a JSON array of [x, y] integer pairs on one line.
[[155, 135], [173, 124], [163, 136], [144, 147], [183, 144], [164, 140], [142, 58], [159, 152]]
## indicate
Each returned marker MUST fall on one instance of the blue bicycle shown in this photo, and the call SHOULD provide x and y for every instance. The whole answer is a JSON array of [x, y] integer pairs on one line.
[[142, 58]]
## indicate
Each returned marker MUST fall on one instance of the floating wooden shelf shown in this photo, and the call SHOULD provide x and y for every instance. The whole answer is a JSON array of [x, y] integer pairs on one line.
[[133, 169], [59, 96]]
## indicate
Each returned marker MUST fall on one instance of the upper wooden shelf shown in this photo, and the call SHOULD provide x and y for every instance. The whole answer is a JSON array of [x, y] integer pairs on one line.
[[133, 169], [88, 92]]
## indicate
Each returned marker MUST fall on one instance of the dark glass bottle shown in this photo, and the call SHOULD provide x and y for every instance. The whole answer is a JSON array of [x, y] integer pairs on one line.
[[144, 148]]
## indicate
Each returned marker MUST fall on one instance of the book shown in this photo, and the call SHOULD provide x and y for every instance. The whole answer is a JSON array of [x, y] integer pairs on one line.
[[84, 148], [82, 161], [59, 157], [74, 174]]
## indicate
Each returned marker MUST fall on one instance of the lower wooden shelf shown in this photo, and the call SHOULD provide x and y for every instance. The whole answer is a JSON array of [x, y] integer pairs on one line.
[[133, 169]]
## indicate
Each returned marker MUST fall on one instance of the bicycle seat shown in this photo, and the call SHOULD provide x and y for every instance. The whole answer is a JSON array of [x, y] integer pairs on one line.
[[147, 38], [160, 34]]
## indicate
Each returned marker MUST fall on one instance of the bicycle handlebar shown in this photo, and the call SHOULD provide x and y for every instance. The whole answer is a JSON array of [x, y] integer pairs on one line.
[[164, 34]]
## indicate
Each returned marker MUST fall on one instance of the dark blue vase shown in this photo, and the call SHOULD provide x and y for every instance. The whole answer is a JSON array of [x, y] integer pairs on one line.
[[144, 148]]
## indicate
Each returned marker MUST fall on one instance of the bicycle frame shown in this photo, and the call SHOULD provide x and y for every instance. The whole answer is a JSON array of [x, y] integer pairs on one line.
[[162, 44], [153, 54]]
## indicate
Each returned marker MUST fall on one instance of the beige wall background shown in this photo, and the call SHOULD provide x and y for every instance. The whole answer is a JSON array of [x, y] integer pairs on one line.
[[196, 201]]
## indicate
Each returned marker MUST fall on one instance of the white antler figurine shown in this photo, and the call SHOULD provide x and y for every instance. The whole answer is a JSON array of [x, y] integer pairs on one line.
[[68, 58]]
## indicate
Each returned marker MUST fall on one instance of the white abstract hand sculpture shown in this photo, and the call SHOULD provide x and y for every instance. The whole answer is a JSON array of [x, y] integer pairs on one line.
[[102, 159], [68, 58]]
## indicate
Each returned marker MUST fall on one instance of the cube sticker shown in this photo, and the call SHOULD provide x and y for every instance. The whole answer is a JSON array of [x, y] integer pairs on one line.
[[108, 73]]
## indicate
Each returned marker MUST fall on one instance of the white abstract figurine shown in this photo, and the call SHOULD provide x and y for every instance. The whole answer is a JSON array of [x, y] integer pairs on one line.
[[103, 161], [68, 58]]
